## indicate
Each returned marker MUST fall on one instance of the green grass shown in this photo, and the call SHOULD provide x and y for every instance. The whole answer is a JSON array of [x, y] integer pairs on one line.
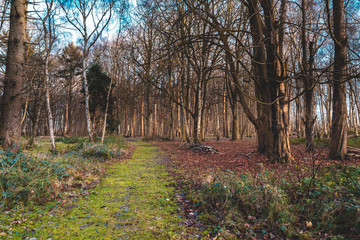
[[36, 175], [134, 201]]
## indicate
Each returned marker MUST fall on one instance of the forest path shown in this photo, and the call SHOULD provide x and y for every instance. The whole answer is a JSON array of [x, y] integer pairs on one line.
[[134, 201]]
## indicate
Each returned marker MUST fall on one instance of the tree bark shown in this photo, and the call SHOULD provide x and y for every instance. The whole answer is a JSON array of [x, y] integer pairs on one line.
[[235, 134], [149, 115], [225, 114], [10, 124], [68, 106], [262, 83], [35, 123], [48, 105], [310, 116], [234, 110], [338, 140], [86, 94], [276, 69], [106, 111]]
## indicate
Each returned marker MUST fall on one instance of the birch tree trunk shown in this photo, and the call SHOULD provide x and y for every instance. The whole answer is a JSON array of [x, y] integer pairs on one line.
[[106, 111], [48, 104], [86, 91]]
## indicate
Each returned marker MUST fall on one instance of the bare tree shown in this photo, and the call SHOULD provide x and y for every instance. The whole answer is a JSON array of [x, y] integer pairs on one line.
[[48, 27], [90, 18], [71, 61]]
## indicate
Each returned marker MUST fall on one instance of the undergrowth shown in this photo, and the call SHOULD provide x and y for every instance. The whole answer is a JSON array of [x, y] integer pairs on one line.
[[322, 204], [36, 175], [352, 141]]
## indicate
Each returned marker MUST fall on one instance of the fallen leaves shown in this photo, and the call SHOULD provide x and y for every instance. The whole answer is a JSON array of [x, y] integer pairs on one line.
[[309, 224], [241, 156]]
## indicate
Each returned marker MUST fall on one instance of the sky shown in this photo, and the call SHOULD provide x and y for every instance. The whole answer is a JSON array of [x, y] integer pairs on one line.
[[69, 34]]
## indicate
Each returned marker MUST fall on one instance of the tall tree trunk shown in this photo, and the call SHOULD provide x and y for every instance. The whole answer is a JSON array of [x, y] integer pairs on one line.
[[48, 104], [338, 140], [234, 110], [235, 133], [172, 121], [354, 91], [185, 132], [276, 69], [86, 91], [68, 106], [133, 122], [225, 114], [10, 122], [142, 117], [298, 114], [307, 66], [262, 83], [155, 122], [106, 111], [35, 122], [149, 115], [25, 109], [310, 116], [197, 115], [203, 131], [322, 112], [218, 131], [328, 108]]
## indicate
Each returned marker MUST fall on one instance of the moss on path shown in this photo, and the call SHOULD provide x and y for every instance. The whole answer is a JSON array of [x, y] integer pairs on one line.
[[134, 201]]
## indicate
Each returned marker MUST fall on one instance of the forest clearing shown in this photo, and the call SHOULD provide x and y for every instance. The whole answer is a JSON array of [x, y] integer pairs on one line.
[[179, 119]]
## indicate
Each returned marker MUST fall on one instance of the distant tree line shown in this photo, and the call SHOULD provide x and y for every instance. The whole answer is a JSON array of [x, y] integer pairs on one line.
[[184, 69]]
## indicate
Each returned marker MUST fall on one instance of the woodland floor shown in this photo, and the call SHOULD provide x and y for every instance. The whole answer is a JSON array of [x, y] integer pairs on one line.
[[167, 191], [241, 156], [135, 201]]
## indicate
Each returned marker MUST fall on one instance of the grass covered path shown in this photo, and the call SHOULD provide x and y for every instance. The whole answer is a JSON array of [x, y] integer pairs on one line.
[[135, 201]]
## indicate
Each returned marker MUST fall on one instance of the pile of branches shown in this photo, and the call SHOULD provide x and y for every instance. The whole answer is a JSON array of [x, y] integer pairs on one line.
[[199, 148]]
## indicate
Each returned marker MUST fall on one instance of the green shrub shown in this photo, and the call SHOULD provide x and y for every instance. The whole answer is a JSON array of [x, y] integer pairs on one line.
[[116, 141], [36, 176], [325, 201], [100, 152], [231, 202], [322, 142], [24, 178], [298, 141], [69, 140], [354, 142]]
